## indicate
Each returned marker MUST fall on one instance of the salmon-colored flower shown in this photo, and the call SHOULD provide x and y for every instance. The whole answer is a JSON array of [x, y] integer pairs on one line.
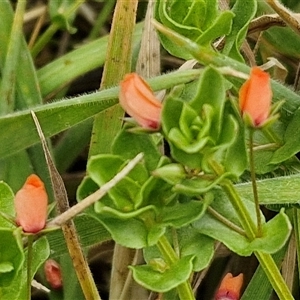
[[53, 274], [139, 102], [31, 205], [255, 97], [230, 287]]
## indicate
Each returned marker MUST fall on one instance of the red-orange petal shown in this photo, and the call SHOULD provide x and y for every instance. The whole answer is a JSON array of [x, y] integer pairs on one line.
[[230, 287], [31, 205], [139, 102]]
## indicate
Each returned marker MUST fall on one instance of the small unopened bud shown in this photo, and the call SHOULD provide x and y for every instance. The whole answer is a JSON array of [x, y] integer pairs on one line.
[[53, 274], [31, 205], [255, 97]]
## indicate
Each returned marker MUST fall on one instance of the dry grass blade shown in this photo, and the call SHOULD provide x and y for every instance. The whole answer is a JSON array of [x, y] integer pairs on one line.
[[287, 16], [79, 262]]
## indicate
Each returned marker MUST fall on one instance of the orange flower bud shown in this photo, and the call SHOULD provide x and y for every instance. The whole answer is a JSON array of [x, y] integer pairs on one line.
[[31, 205], [230, 287], [255, 96], [139, 102], [53, 274]]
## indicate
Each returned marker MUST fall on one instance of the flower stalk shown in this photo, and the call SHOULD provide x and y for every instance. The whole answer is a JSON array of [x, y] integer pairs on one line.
[[254, 185], [184, 290]]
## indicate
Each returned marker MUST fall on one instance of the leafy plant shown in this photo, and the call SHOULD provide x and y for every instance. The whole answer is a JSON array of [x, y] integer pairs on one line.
[[206, 162]]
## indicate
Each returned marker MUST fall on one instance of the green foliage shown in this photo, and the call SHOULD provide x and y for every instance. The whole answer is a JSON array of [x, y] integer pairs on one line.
[[12, 257], [244, 11], [275, 232], [6, 204], [202, 129], [62, 14], [200, 21], [291, 144], [155, 278], [173, 205], [18, 287]]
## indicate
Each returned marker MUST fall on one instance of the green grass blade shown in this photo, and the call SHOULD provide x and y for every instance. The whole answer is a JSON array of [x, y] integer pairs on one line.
[[63, 70], [7, 87], [18, 131]]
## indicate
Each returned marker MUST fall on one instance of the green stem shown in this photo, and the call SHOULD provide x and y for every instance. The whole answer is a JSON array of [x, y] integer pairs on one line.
[[296, 223], [254, 185], [48, 34], [236, 202], [271, 136], [264, 259], [225, 221], [184, 289], [102, 17], [44, 39], [29, 261], [274, 276]]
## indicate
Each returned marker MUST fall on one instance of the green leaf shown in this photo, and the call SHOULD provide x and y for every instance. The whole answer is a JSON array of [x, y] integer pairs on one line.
[[67, 113], [208, 57], [155, 191], [182, 214], [11, 254], [103, 167], [198, 185], [18, 288], [279, 190], [221, 26], [284, 40], [291, 144], [191, 242], [244, 12], [171, 173], [138, 233], [197, 20], [274, 236], [128, 145], [71, 286], [214, 228], [275, 232], [62, 14], [164, 14], [259, 286], [6, 204], [215, 97], [236, 158], [162, 282], [57, 73]]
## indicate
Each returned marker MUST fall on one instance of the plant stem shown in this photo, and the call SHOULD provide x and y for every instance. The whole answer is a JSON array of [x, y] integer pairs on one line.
[[48, 34], [264, 259], [274, 276], [44, 39], [237, 203], [29, 261], [102, 17], [254, 185], [225, 221], [184, 289]]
